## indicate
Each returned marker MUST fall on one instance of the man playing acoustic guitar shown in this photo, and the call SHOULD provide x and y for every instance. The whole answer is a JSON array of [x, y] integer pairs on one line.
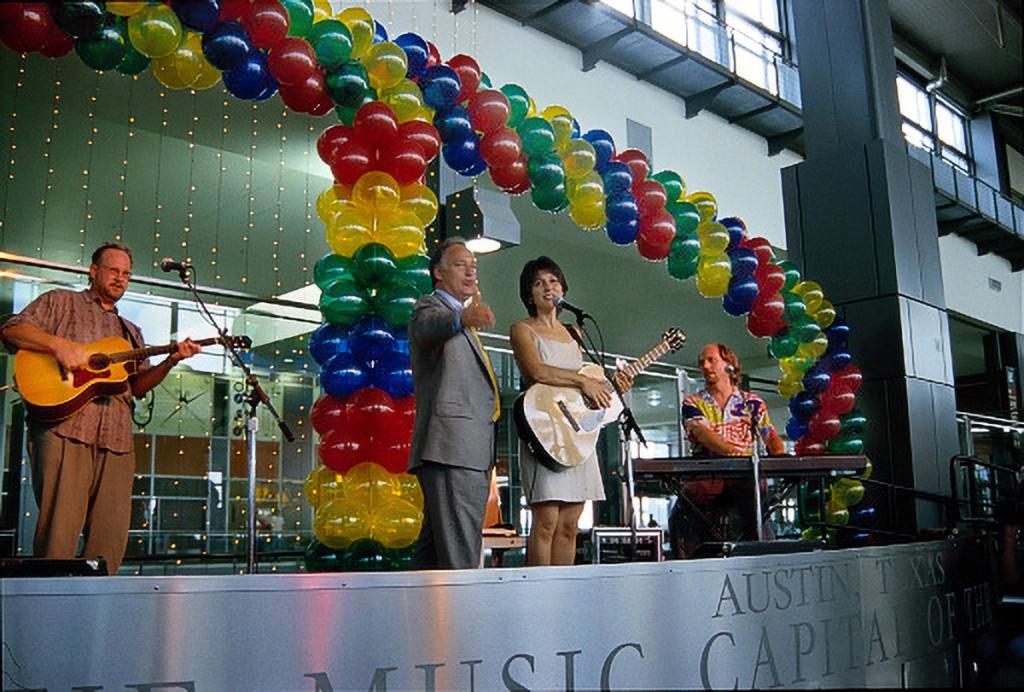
[[82, 466]]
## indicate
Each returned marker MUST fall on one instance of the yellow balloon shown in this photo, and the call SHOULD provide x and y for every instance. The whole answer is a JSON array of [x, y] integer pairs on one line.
[[578, 158], [328, 204], [532, 108], [405, 99], [411, 490], [386, 64], [813, 349], [850, 490], [561, 122], [868, 468], [124, 9], [836, 513], [360, 24], [585, 191], [811, 533], [589, 217], [155, 31], [322, 10], [349, 231], [322, 485], [714, 238], [180, 69], [789, 385], [707, 205], [713, 274], [401, 232], [339, 523], [825, 315], [208, 76], [812, 294], [397, 523], [421, 201], [796, 366], [376, 191], [369, 485]]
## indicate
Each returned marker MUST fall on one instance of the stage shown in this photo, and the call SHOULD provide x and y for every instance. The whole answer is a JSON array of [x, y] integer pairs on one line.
[[870, 617]]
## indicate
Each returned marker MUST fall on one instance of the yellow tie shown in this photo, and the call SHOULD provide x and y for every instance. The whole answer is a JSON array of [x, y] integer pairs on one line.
[[490, 376]]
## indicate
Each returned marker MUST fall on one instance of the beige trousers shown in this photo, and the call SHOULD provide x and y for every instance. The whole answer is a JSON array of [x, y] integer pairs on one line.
[[80, 489]]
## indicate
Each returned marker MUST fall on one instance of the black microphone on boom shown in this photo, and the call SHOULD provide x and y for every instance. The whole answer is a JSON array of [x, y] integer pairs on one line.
[[169, 265], [566, 305]]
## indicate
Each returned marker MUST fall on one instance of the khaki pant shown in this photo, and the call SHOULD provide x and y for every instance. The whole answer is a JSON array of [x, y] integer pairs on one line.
[[80, 489]]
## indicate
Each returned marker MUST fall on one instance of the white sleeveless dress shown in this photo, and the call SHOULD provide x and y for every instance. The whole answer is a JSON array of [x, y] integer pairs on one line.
[[573, 484]]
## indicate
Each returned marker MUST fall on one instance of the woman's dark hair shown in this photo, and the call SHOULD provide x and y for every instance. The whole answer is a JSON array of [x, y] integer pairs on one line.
[[529, 275]]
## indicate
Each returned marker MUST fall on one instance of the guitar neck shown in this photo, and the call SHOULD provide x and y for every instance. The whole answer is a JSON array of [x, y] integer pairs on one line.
[[641, 363], [143, 353]]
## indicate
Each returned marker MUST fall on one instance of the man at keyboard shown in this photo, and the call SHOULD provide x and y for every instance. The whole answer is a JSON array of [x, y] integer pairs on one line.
[[720, 420]]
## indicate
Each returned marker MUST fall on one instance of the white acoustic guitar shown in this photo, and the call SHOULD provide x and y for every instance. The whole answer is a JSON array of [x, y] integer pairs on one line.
[[560, 425]]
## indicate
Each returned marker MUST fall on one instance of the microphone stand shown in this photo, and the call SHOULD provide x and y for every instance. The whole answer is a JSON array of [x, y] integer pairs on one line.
[[254, 396], [755, 460], [627, 427]]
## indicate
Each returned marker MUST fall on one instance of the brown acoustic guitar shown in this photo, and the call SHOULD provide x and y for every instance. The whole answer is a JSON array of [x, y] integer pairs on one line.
[[52, 393]]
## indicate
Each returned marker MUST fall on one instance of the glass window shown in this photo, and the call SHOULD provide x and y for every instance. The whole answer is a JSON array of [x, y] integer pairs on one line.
[[669, 18], [918, 138], [934, 124], [914, 102], [952, 127], [623, 6], [764, 12]]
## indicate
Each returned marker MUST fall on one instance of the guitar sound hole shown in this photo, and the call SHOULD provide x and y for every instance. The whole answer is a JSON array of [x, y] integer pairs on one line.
[[98, 361]]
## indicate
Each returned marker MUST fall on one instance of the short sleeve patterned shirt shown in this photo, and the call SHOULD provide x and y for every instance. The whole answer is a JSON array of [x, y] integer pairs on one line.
[[732, 421]]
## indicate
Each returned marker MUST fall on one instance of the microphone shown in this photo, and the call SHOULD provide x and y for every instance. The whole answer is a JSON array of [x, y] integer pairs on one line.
[[169, 265], [730, 369], [566, 305]]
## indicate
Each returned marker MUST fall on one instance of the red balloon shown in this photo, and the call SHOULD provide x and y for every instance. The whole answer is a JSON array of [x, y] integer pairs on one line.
[[331, 140], [838, 402], [501, 148], [488, 110], [267, 23], [822, 426], [469, 75], [234, 9], [808, 447], [636, 160], [324, 106], [404, 160], [371, 407], [351, 161], [58, 44], [26, 27], [375, 123], [305, 97], [292, 61], [761, 247], [849, 379], [328, 413], [406, 408], [770, 278], [512, 178], [423, 134], [657, 230], [433, 56], [765, 317], [342, 448], [650, 196]]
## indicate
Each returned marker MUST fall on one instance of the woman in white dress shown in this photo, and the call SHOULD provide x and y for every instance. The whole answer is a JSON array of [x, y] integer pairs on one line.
[[547, 352]]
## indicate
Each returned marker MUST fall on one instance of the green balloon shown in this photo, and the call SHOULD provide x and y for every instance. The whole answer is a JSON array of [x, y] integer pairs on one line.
[[300, 16], [343, 302], [395, 301], [330, 268], [795, 309], [519, 104], [804, 329], [373, 265], [545, 171], [331, 41], [347, 114], [852, 422], [686, 215], [550, 199], [485, 80], [398, 559], [133, 61], [347, 84], [104, 49], [415, 270], [792, 275], [683, 257], [537, 135], [319, 558], [365, 555], [846, 444], [673, 184], [783, 344]]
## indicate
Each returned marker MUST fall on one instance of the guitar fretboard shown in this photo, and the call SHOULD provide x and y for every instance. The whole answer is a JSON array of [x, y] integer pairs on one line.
[[143, 353], [641, 363]]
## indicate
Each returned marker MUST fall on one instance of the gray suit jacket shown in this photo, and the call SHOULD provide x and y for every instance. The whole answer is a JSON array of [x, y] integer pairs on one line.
[[454, 398]]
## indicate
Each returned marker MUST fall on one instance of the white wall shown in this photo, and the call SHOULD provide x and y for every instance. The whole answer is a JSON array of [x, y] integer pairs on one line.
[[965, 277]]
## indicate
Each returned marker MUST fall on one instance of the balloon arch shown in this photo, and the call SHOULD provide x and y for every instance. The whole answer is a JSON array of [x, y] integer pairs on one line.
[[400, 106]]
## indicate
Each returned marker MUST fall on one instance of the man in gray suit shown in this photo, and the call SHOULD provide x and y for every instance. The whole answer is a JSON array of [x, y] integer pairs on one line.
[[457, 405]]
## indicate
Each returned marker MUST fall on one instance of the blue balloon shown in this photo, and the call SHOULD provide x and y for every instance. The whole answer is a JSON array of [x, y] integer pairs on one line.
[[744, 261], [575, 129], [864, 515], [617, 178], [343, 375], [737, 229], [200, 15], [440, 87], [604, 147], [622, 232], [371, 339], [327, 341], [464, 157], [621, 208], [734, 307], [838, 334], [839, 360], [380, 34], [393, 374], [795, 429], [402, 344], [802, 406], [416, 53], [249, 80], [816, 380], [453, 124], [743, 290], [269, 88], [227, 45]]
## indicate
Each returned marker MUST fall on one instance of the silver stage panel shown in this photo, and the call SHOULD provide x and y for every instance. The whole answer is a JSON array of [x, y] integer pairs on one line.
[[885, 616]]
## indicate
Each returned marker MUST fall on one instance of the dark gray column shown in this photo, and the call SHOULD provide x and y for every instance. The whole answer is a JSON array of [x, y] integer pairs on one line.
[[860, 220]]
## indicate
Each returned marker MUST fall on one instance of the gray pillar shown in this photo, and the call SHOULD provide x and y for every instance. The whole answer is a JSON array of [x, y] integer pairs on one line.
[[860, 220]]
